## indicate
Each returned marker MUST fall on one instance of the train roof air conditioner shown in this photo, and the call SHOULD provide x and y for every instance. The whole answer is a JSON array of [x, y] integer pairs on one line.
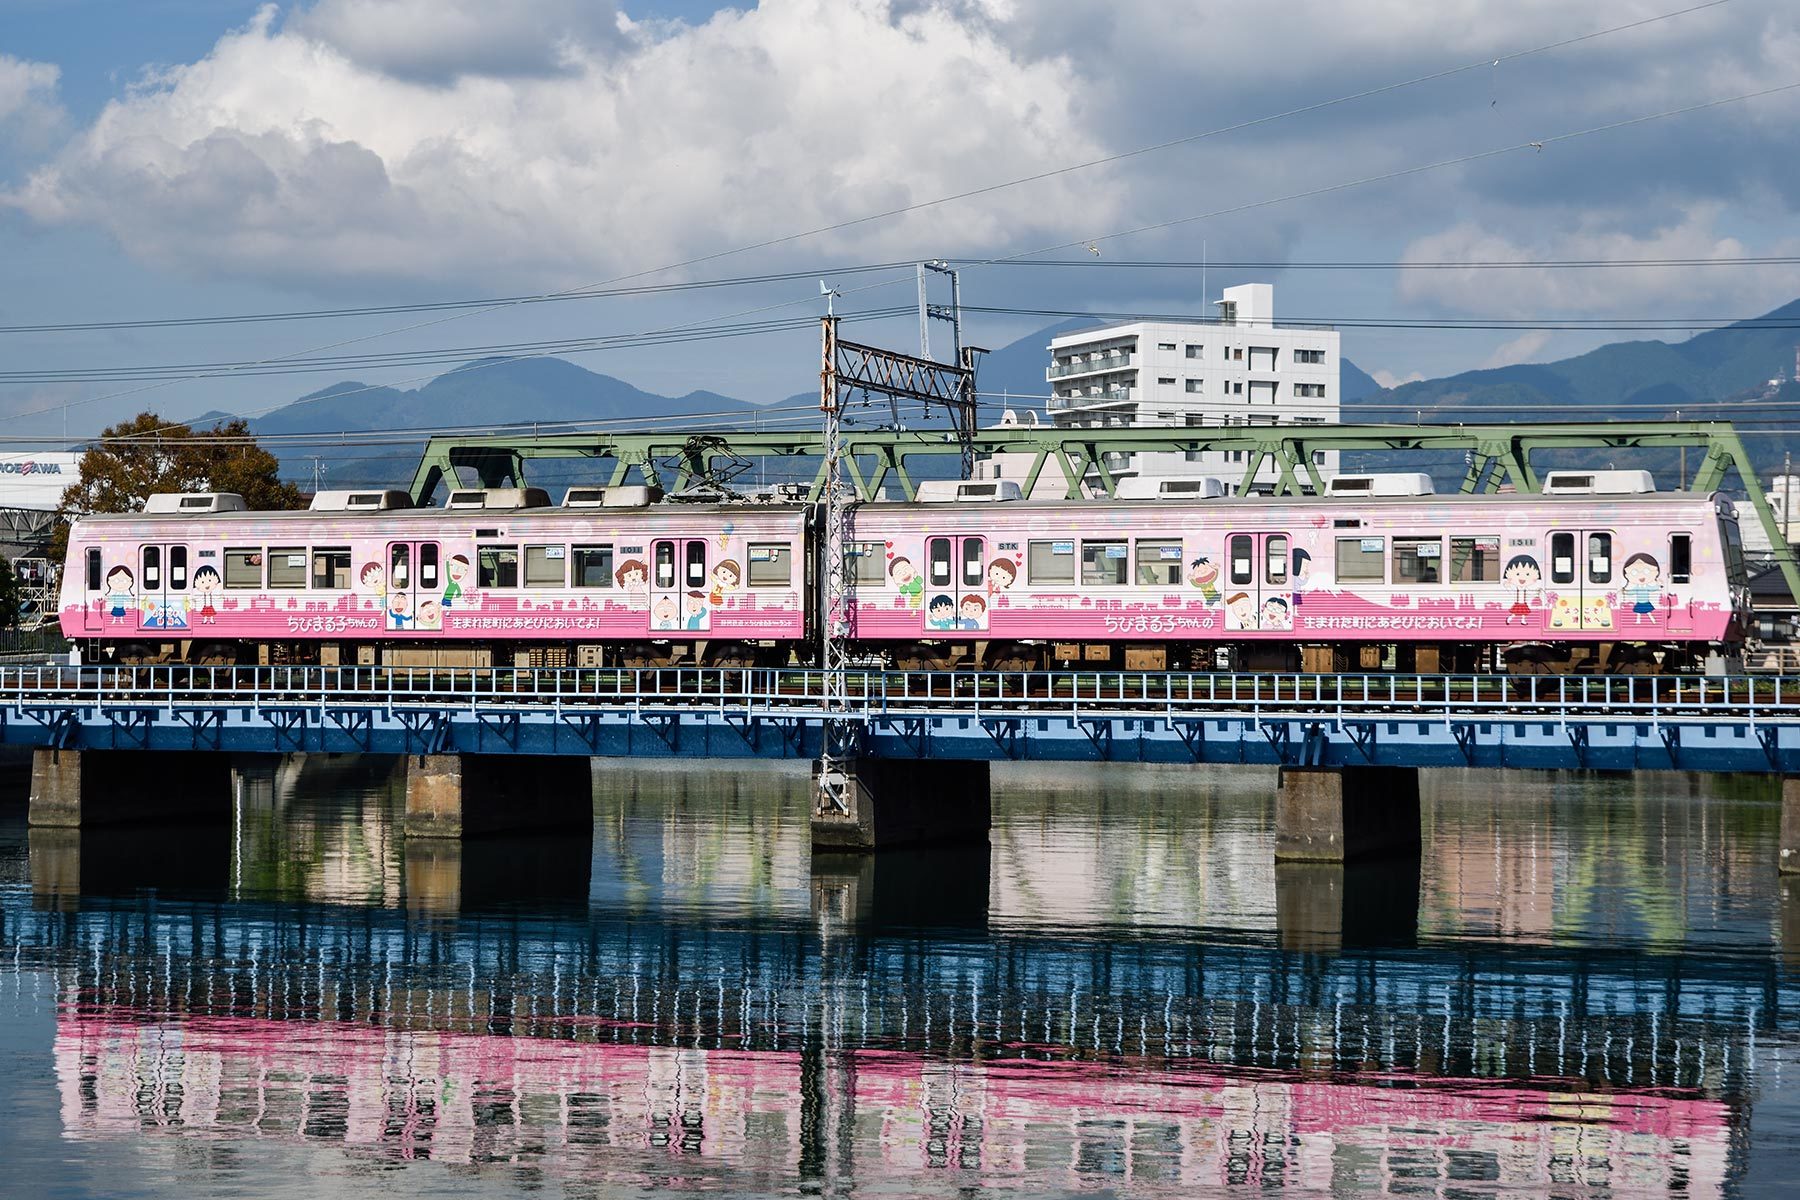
[[1598, 483], [1180, 487], [631, 495], [529, 497], [1400, 483], [963, 491], [194, 502], [369, 501]]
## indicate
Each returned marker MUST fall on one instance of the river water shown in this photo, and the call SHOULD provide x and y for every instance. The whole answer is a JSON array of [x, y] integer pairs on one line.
[[1586, 986]]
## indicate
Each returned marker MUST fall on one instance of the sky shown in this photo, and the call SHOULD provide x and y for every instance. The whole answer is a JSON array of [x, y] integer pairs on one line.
[[186, 158]]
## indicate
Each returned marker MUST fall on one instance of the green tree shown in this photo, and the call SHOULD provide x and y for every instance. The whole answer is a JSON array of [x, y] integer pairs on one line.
[[134, 459], [9, 595]]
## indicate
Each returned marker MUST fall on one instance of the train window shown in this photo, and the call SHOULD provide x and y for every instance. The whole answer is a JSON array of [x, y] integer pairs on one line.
[[331, 567], [93, 570], [1159, 564], [1475, 560], [399, 566], [974, 569], [243, 568], [696, 564], [1361, 560], [1599, 558], [287, 566], [1050, 562], [1103, 564], [1275, 559], [497, 566], [151, 573], [939, 553], [665, 564], [428, 565], [178, 568], [593, 567], [1243, 569], [1681, 557], [1418, 560], [771, 565], [868, 565], [1562, 558], [544, 566]]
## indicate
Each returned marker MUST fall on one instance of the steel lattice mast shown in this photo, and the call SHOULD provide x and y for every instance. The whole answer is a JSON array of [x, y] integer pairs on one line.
[[839, 742]]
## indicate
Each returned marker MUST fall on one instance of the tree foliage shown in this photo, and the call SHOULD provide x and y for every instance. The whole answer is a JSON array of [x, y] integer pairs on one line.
[[135, 458], [9, 594]]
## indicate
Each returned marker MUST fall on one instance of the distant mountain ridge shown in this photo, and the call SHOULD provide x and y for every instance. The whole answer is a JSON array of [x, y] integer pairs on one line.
[[1649, 378]]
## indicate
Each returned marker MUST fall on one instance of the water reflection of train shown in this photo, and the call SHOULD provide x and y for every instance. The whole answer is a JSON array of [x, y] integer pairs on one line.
[[597, 1109]]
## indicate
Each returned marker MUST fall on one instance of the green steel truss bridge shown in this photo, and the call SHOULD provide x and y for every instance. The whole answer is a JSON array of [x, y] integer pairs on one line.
[[1497, 455]]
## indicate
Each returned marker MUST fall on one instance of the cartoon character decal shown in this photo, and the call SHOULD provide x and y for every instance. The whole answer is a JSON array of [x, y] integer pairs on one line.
[[665, 614], [1002, 573], [1300, 574], [972, 613], [633, 577], [1240, 611], [1203, 573], [373, 579], [911, 585], [430, 615], [694, 612], [1643, 588], [1526, 579], [941, 612], [727, 577], [206, 583], [400, 611], [1277, 613], [456, 571], [119, 595]]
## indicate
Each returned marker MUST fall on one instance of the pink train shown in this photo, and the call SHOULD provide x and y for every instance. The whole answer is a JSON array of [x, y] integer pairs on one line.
[[1599, 572]]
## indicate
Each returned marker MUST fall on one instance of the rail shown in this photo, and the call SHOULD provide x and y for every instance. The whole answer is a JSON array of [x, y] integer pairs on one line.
[[800, 692]]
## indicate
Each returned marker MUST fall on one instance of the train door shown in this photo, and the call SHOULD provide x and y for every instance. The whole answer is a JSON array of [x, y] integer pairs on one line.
[[956, 583], [93, 592], [414, 587], [1257, 592], [1582, 576], [162, 586], [678, 585]]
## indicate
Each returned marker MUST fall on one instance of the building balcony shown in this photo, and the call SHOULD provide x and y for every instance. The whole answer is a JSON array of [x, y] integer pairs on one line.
[[1064, 403], [1092, 366]]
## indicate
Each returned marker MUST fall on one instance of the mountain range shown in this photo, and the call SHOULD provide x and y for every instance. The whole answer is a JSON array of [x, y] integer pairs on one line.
[[1699, 377]]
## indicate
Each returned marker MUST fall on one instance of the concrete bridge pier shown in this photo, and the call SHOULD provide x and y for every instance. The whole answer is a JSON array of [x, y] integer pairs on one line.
[[940, 887], [73, 789], [1324, 907], [1336, 814], [467, 795], [1789, 852], [903, 802]]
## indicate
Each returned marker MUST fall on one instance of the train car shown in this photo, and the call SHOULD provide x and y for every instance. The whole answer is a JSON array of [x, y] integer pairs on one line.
[[496, 578], [1600, 570]]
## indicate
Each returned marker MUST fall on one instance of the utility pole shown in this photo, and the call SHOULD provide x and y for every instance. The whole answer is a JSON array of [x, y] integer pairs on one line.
[[318, 472], [839, 744]]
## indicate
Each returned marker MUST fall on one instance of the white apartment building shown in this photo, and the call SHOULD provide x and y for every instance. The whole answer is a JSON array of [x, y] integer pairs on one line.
[[1239, 369]]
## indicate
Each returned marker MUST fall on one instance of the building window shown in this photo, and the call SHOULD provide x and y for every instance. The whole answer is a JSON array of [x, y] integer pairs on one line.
[[1312, 391], [1196, 385], [1313, 357], [1237, 389], [1165, 345], [1238, 354], [1194, 351], [1168, 379]]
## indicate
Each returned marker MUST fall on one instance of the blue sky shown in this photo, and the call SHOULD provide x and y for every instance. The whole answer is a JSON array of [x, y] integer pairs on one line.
[[182, 157]]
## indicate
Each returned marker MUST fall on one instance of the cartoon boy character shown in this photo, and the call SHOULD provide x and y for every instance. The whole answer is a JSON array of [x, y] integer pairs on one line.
[[1002, 573], [1526, 579], [941, 613], [974, 613], [374, 579], [1643, 586], [726, 577], [457, 572], [431, 614], [1276, 614], [399, 611], [664, 613], [205, 583], [118, 593], [1242, 609], [906, 579], [1203, 573], [694, 611]]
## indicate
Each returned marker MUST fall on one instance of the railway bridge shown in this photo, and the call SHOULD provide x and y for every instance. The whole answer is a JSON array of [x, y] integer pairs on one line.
[[488, 749]]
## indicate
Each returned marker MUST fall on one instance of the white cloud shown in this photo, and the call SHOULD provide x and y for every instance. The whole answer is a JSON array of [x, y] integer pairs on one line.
[[30, 113], [1523, 348], [1388, 379], [283, 152]]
